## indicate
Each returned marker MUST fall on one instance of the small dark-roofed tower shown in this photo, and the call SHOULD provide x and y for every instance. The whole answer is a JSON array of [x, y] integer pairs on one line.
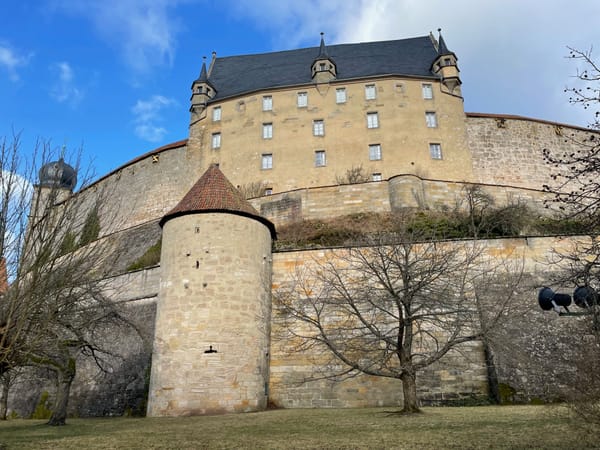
[[446, 67], [213, 318], [323, 68], [57, 180], [202, 92]]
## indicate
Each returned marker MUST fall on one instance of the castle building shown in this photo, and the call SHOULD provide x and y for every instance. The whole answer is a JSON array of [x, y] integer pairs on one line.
[[286, 129]]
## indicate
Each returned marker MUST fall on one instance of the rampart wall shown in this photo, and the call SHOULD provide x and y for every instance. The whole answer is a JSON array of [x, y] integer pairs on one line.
[[395, 194], [507, 150]]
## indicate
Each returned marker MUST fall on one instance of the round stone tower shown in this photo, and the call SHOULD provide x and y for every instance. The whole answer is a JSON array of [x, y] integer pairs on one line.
[[213, 320]]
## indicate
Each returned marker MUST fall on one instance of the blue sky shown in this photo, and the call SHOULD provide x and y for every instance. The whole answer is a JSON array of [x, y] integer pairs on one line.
[[114, 76]]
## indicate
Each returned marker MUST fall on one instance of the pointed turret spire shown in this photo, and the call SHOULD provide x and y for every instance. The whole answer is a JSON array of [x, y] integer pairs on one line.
[[322, 50], [203, 78], [442, 48]]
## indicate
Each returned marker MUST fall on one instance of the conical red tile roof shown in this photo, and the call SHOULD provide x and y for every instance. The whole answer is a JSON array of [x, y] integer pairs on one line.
[[214, 193]]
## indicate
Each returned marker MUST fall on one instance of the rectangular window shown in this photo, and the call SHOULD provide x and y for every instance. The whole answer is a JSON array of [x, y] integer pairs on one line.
[[318, 128], [266, 161], [320, 160], [268, 191], [376, 177], [340, 95], [372, 120], [267, 103], [370, 92], [302, 99], [216, 140], [427, 91], [435, 150], [267, 130], [374, 152], [430, 119], [216, 114]]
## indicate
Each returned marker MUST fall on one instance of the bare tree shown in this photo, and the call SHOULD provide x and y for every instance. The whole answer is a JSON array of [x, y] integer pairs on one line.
[[354, 175], [576, 185], [56, 309], [393, 309], [576, 189]]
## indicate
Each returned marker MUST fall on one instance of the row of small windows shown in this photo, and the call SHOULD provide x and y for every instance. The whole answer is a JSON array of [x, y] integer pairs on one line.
[[319, 127], [340, 97], [435, 151], [372, 122]]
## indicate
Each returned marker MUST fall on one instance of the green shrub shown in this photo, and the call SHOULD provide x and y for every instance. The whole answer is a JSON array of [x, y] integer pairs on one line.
[[507, 394], [91, 228], [41, 410], [150, 258], [69, 243], [566, 226]]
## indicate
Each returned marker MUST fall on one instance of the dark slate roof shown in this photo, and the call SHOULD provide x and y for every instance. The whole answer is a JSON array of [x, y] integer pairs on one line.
[[234, 75], [214, 193]]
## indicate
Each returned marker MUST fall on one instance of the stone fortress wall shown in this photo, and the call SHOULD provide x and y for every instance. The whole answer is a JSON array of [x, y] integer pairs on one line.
[[459, 375]]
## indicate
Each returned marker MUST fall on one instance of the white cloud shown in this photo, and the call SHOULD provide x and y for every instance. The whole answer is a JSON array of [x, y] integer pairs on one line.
[[511, 52], [148, 117], [143, 30], [64, 89], [11, 61]]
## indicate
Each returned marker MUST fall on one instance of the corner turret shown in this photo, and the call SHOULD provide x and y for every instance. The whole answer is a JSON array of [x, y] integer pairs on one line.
[[323, 68], [446, 67], [202, 92]]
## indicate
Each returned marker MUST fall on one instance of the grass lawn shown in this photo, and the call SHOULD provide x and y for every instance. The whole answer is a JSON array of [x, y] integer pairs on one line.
[[510, 427]]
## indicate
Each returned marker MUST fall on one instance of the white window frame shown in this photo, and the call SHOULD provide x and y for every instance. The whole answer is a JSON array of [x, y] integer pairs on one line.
[[216, 140], [372, 120], [267, 131], [376, 177], [302, 99], [431, 119], [319, 127], [435, 151], [266, 161], [267, 103], [370, 92], [427, 90], [340, 95], [320, 158], [216, 114], [374, 152]]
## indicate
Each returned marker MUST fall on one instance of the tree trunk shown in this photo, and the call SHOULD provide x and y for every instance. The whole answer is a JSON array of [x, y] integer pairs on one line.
[[409, 389], [492, 374], [65, 378], [4, 387]]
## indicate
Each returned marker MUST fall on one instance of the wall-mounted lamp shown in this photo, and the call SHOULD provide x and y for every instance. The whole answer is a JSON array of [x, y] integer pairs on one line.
[[583, 296]]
